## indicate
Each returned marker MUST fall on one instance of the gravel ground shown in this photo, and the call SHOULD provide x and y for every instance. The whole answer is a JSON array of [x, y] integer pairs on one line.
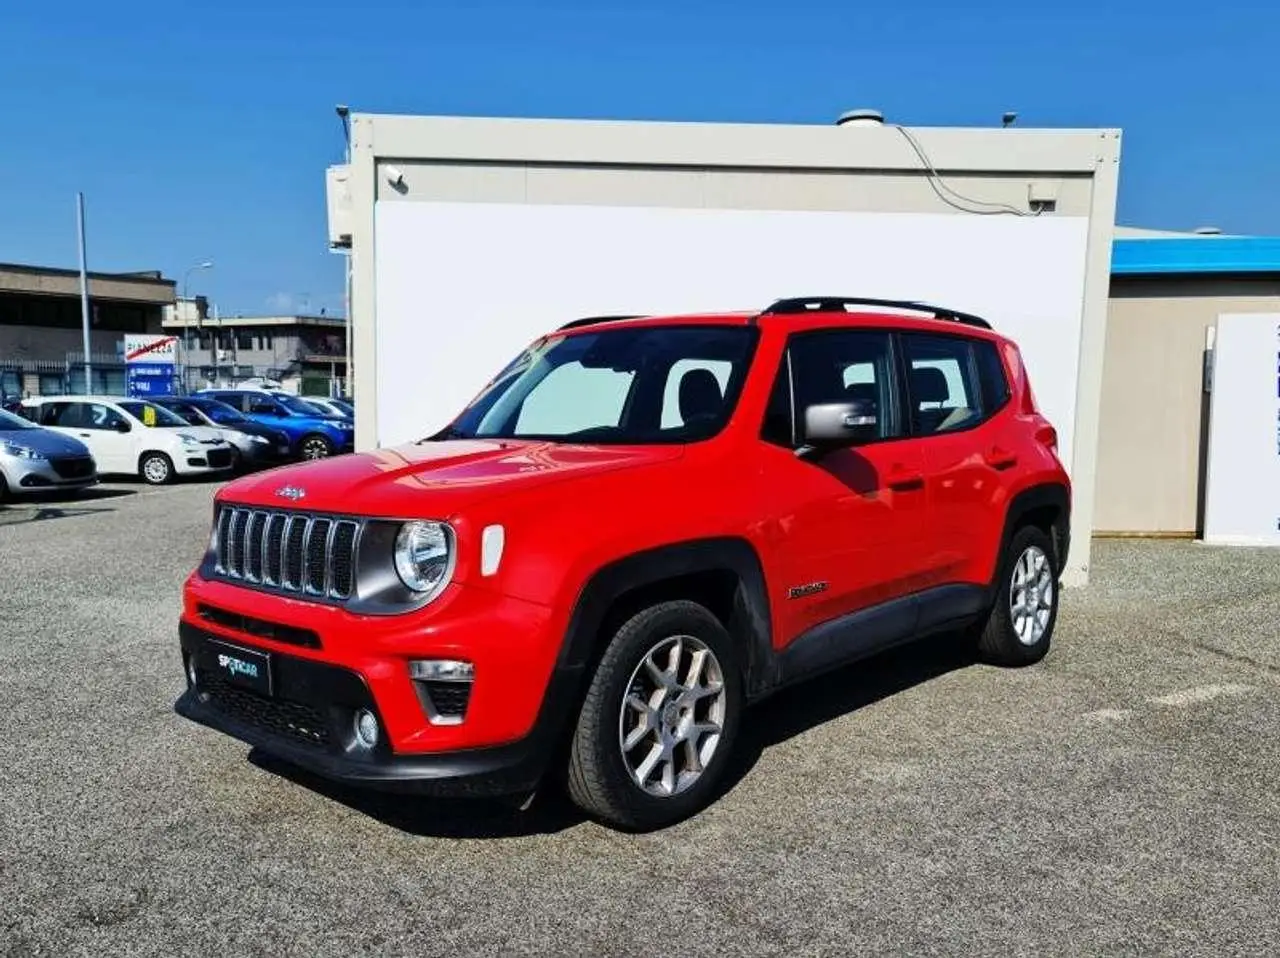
[[1118, 798]]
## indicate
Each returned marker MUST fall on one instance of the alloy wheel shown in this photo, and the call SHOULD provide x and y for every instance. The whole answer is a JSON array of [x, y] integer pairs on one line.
[[155, 470], [673, 716], [1031, 595], [315, 448]]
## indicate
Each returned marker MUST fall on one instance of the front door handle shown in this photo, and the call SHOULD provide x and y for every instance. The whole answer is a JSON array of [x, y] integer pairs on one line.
[[85, 435], [998, 458], [902, 479]]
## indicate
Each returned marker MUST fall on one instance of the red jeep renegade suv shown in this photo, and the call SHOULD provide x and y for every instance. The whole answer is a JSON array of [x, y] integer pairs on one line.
[[639, 527]]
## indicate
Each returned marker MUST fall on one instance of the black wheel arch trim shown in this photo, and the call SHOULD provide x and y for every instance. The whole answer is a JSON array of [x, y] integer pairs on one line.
[[1048, 495], [749, 622]]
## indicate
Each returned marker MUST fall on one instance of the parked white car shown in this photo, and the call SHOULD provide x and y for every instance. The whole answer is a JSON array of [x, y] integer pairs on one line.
[[134, 437]]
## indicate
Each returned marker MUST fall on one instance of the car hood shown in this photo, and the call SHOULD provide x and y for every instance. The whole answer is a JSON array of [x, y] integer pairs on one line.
[[45, 441], [434, 478], [199, 433], [251, 429]]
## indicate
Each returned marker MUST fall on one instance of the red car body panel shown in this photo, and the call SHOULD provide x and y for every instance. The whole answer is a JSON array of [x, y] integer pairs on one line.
[[874, 523]]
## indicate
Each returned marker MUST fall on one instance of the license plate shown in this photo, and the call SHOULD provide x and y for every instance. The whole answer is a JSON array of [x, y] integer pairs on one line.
[[284, 450], [246, 668]]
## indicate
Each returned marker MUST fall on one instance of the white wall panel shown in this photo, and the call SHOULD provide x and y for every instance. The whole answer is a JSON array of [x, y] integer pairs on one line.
[[462, 287], [1242, 489]]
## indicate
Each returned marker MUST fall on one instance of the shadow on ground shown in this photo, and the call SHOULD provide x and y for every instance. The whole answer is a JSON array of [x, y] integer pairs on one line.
[[782, 717], [59, 504]]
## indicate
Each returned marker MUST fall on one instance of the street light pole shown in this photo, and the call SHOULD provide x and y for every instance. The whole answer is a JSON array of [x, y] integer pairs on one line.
[[344, 114], [186, 329], [84, 294]]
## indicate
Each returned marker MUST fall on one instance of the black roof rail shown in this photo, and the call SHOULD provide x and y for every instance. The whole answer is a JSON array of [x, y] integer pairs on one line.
[[592, 320], [838, 304]]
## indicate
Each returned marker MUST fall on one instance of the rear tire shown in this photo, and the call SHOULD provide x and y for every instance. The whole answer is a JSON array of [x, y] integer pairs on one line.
[[1020, 624], [662, 709], [4, 489], [156, 468]]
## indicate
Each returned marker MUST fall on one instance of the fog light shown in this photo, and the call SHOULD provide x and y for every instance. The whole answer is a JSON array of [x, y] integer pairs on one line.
[[366, 726], [442, 670]]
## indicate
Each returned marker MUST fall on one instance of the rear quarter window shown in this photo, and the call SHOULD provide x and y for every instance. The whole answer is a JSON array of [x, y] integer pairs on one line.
[[993, 382]]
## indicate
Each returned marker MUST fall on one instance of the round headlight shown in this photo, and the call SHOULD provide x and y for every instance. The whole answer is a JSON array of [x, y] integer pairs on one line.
[[424, 555]]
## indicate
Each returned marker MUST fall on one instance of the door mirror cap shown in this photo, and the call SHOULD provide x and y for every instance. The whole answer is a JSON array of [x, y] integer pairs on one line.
[[840, 423]]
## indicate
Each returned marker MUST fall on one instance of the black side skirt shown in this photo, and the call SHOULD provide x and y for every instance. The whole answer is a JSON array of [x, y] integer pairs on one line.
[[866, 632]]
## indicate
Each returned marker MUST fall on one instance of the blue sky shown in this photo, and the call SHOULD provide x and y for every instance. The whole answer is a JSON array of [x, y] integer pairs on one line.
[[201, 131]]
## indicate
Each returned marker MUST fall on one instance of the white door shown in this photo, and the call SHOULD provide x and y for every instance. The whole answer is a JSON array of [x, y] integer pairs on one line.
[[103, 430]]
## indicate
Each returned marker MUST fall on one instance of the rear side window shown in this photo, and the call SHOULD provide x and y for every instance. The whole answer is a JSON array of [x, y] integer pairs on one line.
[[992, 380], [942, 383], [235, 400], [71, 415]]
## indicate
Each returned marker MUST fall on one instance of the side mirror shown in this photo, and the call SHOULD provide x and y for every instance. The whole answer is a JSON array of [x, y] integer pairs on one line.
[[840, 423], [121, 425]]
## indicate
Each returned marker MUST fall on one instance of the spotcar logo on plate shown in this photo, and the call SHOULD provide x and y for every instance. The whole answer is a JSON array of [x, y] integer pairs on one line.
[[234, 666], [291, 492]]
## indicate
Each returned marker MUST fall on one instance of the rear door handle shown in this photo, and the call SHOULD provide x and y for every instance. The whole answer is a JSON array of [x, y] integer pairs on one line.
[[998, 458]]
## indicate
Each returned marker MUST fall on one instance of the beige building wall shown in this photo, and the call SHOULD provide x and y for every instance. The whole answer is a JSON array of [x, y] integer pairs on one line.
[[1152, 434]]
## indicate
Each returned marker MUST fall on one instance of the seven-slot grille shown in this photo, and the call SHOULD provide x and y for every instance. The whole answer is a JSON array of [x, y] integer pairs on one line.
[[290, 551]]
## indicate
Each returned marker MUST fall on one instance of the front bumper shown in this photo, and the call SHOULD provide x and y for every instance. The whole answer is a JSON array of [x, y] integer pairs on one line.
[[203, 459], [37, 475], [308, 721], [264, 453]]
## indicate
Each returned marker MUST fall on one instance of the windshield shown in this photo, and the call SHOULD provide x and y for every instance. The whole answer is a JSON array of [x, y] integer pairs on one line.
[[9, 422], [300, 406], [657, 384], [149, 414], [220, 412]]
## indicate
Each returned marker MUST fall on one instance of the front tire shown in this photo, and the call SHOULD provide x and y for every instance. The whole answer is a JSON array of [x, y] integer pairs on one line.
[[315, 447], [659, 719], [156, 468], [1020, 625]]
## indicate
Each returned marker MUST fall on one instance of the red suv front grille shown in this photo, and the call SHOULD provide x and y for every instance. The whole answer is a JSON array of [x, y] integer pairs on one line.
[[311, 556]]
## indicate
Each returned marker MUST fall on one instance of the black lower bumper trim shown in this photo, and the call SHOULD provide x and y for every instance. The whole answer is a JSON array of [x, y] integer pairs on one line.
[[497, 771]]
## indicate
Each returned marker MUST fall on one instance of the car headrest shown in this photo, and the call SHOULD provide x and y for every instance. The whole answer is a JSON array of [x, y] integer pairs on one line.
[[929, 385], [862, 392], [699, 394]]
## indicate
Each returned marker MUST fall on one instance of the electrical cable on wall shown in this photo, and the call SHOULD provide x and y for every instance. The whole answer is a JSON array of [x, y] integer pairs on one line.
[[957, 200]]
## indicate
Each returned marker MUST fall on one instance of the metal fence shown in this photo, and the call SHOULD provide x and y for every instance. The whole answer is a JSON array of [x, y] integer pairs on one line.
[[22, 378]]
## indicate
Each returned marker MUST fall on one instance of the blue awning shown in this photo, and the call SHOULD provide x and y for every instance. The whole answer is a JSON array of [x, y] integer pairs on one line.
[[1243, 254]]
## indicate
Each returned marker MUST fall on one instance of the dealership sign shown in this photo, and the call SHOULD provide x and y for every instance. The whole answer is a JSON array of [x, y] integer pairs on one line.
[[1242, 488], [150, 349], [150, 365]]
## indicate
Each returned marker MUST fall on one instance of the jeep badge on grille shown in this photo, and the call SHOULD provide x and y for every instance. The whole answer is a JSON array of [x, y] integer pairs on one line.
[[291, 492]]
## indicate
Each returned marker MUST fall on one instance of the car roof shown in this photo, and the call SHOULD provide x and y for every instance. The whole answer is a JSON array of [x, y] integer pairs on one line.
[[813, 312], [101, 399], [818, 319]]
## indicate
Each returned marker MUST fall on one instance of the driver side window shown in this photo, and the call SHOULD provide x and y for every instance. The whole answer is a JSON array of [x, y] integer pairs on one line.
[[831, 366], [264, 406]]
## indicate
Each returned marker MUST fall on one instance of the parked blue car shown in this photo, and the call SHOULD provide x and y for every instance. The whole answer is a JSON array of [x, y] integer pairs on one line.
[[312, 434]]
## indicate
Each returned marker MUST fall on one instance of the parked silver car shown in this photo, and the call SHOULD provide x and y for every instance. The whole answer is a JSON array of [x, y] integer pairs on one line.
[[33, 459]]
